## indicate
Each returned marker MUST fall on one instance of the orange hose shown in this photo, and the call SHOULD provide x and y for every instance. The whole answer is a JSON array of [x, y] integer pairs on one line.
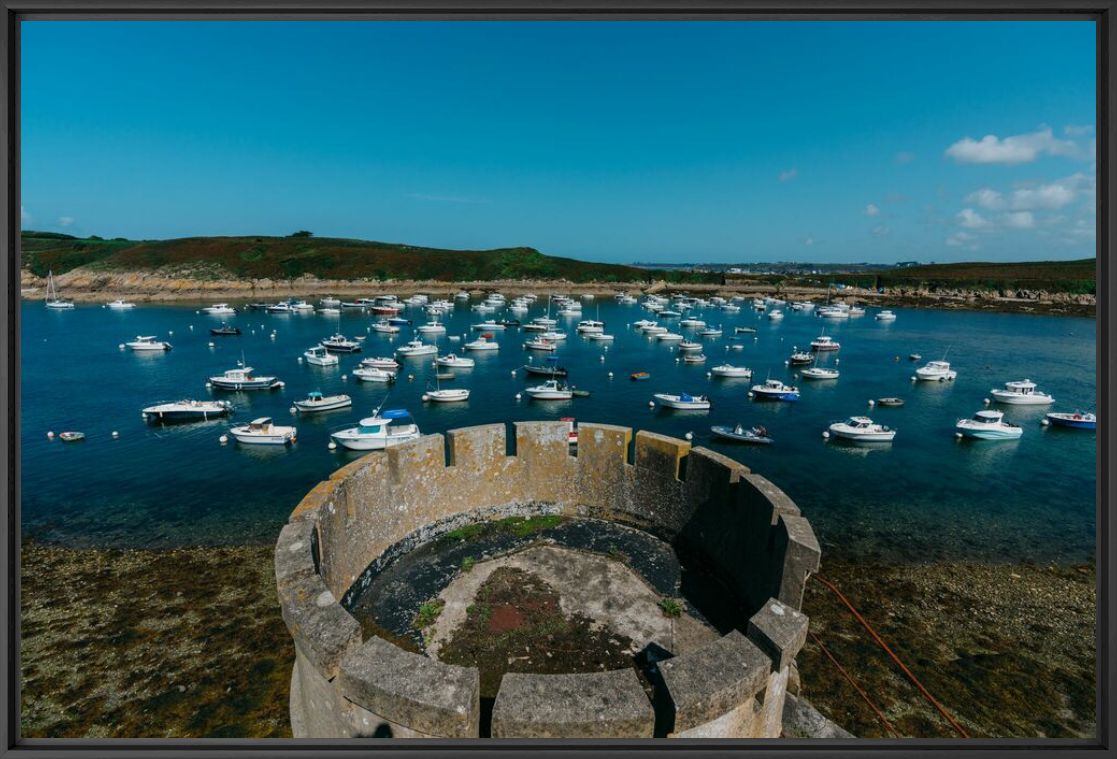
[[849, 677], [880, 641]]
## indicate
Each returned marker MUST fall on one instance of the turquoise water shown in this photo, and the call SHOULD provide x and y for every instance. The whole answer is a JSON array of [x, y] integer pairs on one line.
[[924, 497]]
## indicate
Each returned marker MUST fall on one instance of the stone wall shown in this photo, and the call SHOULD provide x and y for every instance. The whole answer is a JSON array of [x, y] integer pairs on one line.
[[738, 524]]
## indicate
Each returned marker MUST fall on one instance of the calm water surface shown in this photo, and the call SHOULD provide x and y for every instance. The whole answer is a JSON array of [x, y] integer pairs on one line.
[[925, 497]]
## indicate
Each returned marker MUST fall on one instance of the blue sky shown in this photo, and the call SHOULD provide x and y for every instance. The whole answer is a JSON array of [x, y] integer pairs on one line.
[[608, 141]]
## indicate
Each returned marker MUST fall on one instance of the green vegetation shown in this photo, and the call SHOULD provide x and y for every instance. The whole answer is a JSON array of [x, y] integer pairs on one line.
[[670, 607], [428, 614], [468, 563], [521, 527], [326, 258]]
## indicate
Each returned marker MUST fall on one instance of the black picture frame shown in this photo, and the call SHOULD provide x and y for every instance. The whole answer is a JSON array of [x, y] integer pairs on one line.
[[1103, 12]]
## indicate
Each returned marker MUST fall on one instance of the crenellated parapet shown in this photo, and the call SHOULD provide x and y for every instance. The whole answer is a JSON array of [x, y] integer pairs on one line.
[[737, 524]]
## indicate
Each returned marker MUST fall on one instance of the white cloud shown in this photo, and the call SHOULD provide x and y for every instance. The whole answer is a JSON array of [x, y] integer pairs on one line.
[[1072, 130], [787, 176], [971, 219], [1021, 148], [1061, 192], [872, 210], [988, 198], [1019, 220], [65, 221]]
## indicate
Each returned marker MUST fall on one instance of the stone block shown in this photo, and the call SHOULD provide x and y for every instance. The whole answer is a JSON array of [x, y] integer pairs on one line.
[[477, 449], [714, 680], [309, 506], [797, 545], [779, 631], [586, 705], [323, 631], [417, 692], [659, 453], [294, 559]]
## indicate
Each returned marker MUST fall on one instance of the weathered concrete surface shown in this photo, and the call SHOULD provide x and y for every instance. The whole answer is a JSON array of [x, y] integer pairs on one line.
[[801, 720], [598, 588], [780, 631], [710, 687], [411, 690], [592, 705]]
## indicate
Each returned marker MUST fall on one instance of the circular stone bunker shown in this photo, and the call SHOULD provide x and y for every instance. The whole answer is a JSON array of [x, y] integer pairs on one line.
[[443, 588]]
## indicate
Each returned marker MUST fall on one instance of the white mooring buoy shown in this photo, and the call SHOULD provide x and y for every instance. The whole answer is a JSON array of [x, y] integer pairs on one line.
[[332, 445], [50, 435], [825, 435], [223, 439], [115, 434]]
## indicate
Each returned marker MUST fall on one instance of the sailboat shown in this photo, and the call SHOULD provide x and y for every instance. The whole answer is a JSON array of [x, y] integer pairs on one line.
[[53, 301]]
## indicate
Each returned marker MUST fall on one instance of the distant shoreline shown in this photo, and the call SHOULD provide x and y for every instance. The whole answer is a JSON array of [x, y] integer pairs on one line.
[[98, 288]]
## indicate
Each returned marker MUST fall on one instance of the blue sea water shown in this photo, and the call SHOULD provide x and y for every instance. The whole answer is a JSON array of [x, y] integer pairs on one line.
[[925, 497]]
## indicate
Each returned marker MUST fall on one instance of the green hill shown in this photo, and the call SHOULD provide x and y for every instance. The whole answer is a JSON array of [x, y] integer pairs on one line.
[[325, 258], [1077, 276]]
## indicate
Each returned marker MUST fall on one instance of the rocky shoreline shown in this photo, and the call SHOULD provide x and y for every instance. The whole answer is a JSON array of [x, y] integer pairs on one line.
[[92, 286], [190, 643]]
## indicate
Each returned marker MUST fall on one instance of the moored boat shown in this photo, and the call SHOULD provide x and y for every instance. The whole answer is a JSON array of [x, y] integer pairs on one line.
[[774, 390], [187, 411], [341, 344], [1076, 420], [862, 429], [377, 432], [988, 425], [242, 378], [319, 356], [219, 309], [684, 401], [316, 401], [728, 370], [417, 348], [455, 361], [120, 305], [1021, 393], [148, 343], [819, 373], [263, 431], [551, 390], [224, 331], [756, 435], [935, 371]]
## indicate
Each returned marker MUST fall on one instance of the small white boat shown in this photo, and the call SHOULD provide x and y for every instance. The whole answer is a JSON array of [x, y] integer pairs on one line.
[[416, 348], [774, 390], [591, 327], [862, 429], [728, 370], [655, 330], [219, 309], [688, 346], [148, 343], [53, 299], [377, 432], [856, 311], [939, 371], [544, 321], [384, 327], [553, 336], [1077, 420], [692, 322], [187, 411], [710, 332], [439, 395], [601, 337], [381, 362], [669, 337], [341, 344], [819, 373], [482, 344], [263, 432], [329, 311], [694, 358], [488, 325], [682, 401], [886, 316], [775, 315], [988, 425], [455, 361], [1021, 393], [431, 328], [824, 343], [242, 378], [283, 307], [551, 390], [374, 374], [319, 356], [540, 345], [315, 401], [329, 302], [120, 305]]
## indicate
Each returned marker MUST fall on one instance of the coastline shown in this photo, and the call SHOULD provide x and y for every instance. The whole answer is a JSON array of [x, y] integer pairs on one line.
[[191, 639], [97, 287]]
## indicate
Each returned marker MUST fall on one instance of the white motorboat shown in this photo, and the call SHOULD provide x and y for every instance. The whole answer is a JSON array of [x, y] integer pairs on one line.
[[775, 315], [553, 336], [682, 401], [540, 344], [692, 322], [551, 390], [187, 411], [120, 305], [824, 343], [819, 373], [53, 299], [377, 432], [381, 362], [242, 378], [988, 425], [489, 325], [694, 358], [283, 307], [319, 356], [461, 295], [263, 431], [329, 311], [416, 348], [482, 344], [833, 312], [689, 346], [862, 429], [669, 337], [330, 302], [1021, 393], [439, 395], [431, 328], [374, 374], [774, 390], [315, 401], [655, 330], [591, 327], [856, 311], [936, 371], [148, 343], [384, 327], [710, 332], [886, 316], [728, 370], [341, 344], [455, 361], [601, 337], [219, 309]]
